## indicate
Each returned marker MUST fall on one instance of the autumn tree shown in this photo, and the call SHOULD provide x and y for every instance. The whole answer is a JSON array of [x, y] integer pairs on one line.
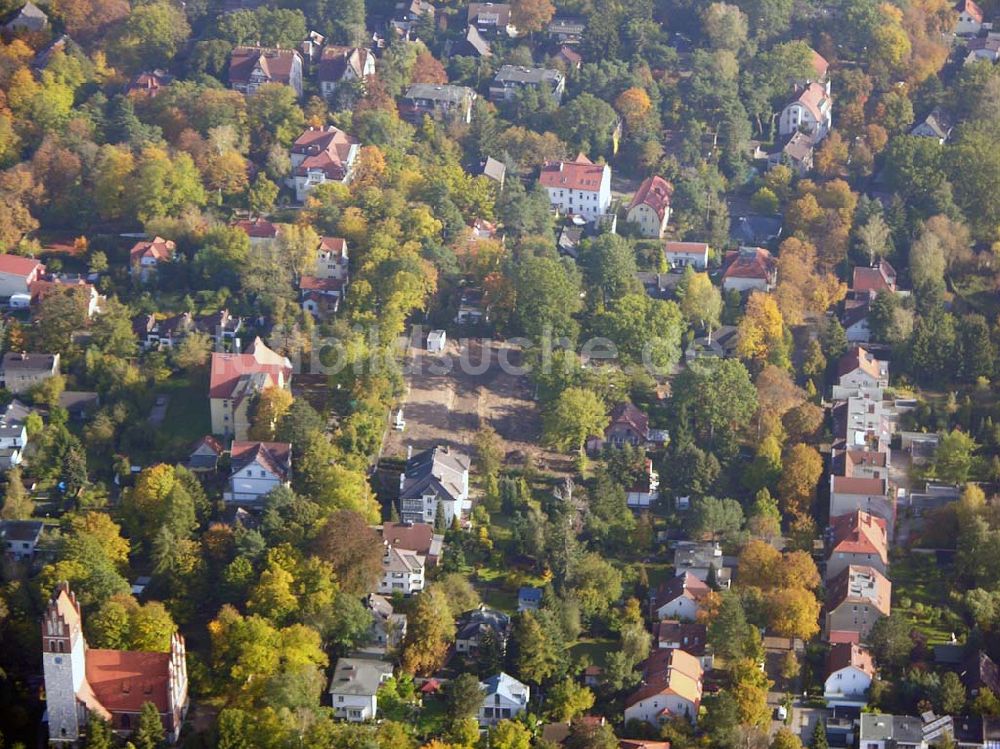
[[430, 630], [762, 331], [531, 15], [427, 69], [701, 303], [348, 543], [802, 288], [800, 473]]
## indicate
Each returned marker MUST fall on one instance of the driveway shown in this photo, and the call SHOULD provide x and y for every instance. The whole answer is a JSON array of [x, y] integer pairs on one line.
[[803, 718], [159, 410]]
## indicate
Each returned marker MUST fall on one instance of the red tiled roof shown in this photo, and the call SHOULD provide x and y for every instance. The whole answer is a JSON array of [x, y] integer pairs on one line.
[[880, 277], [840, 635], [570, 55], [858, 485], [276, 456], [670, 672], [258, 228], [859, 533], [16, 265], [845, 654], [627, 413], [122, 680], [691, 635], [335, 61], [579, 174], [819, 63], [749, 262], [654, 192], [325, 285], [227, 369], [334, 245], [971, 8], [859, 358], [685, 247], [413, 536], [682, 585], [158, 248], [211, 442], [325, 149], [812, 98], [860, 584]]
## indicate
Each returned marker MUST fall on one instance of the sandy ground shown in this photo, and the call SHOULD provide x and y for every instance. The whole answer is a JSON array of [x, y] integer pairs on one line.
[[450, 395]]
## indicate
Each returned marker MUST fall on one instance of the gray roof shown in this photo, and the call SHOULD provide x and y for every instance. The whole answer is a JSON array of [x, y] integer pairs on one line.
[[437, 470], [936, 122], [521, 74], [21, 530], [12, 419], [14, 361], [566, 25], [900, 729], [494, 169], [477, 42], [506, 686], [359, 676], [436, 92]]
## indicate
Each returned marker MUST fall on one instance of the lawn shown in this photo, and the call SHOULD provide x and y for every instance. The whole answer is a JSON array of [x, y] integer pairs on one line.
[[188, 414], [919, 585], [596, 649]]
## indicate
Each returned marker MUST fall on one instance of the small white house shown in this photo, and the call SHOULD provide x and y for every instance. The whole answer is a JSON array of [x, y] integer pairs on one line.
[[644, 492], [811, 112], [650, 207], [681, 254], [402, 572], [970, 18], [20, 538], [257, 468], [436, 341], [679, 598], [13, 433], [504, 698], [354, 687], [849, 675]]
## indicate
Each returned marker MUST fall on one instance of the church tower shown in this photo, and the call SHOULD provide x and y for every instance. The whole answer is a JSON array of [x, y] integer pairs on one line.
[[64, 663]]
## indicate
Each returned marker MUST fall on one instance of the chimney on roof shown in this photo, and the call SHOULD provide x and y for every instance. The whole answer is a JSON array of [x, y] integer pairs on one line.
[[409, 451]]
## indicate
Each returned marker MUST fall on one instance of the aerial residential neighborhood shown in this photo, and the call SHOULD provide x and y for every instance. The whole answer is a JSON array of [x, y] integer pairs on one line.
[[502, 375]]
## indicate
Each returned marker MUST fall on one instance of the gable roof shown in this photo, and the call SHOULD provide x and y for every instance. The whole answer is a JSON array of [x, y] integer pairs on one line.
[[691, 636], [359, 676], [275, 64], [418, 537], [820, 64], [686, 586], [336, 61], [15, 265], [22, 361], [505, 686], [654, 192], [122, 680], [157, 248], [936, 122], [860, 584], [858, 485], [979, 670], [274, 456], [228, 369], [813, 97], [476, 40], [493, 13], [579, 174], [670, 671], [750, 262], [859, 533], [859, 358], [629, 415], [325, 149], [847, 654], [971, 8], [258, 228], [879, 277], [685, 248], [570, 55], [437, 469]]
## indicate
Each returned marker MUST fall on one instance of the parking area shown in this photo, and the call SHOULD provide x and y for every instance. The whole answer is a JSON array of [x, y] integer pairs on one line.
[[473, 382]]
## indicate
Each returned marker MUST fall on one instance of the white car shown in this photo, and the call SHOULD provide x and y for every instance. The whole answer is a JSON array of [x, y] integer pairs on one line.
[[781, 713]]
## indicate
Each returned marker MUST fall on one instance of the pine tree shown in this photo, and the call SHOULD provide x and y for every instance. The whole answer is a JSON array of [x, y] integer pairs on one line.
[[819, 736], [98, 733], [440, 522], [150, 733]]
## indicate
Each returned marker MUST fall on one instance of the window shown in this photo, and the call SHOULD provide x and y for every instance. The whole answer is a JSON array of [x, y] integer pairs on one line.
[[340, 698]]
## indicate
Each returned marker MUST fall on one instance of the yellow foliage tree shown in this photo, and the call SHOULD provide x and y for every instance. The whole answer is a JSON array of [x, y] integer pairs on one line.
[[762, 329]]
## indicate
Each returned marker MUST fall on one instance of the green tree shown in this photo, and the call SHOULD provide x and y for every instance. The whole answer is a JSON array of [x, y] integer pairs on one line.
[[716, 394], [510, 735], [568, 700], [575, 415], [430, 630], [714, 518], [786, 739], [645, 330], [99, 735], [17, 503], [150, 733], [535, 657], [953, 458], [464, 696], [818, 740], [890, 640], [609, 268], [951, 696], [262, 195], [151, 36], [548, 295]]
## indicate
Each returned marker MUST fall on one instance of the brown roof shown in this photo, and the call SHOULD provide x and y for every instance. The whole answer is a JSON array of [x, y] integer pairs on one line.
[[414, 536], [682, 585], [334, 245], [258, 228], [845, 654], [123, 680], [323, 285], [44, 286], [854, 458], [670, 672], [579, 174], [626, 413], [16, 265], [859, 533], [570, 55], [335, 61], [275, 63], [691, 635], [858, 485], [654, 192], [208, 441], [750, 262], [859, 358], [502, 11], [812, 98], [820, 64], [149, 83], [275, 456], [840, 635], [860, 584], [685, 247], [880, 277], [158, 248]]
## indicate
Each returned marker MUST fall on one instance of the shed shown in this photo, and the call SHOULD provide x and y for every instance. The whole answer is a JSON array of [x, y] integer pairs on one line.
[[436, 341]]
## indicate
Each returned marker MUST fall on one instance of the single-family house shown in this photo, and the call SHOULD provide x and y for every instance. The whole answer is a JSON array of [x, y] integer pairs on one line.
[[340, 65], [434, 477], [21, 371], [402, 571], [408, 14], [691, 637], [491, 18], [388, 628], [810, 111], [146, 256], [628, 425], [472, 307], [511, 79], [860, 373], [205, 454], [704, 560], [321, 155], [220, 326], [855, 321], [857, 598], [473, 625], [320, 297], [849, 673], [28, 18], [79, 404], [980, 48], [439, 101], [259, 229], [252, 67], [749, 269], [114, 685], [331, 259], [867, 282], [671, 688], [419, 537], [887, 731], [354, 687], [797, 152], [857, 538], [17, 273], [13, 433], [978, 672], [935, 125], [20, 538], [650, 207], [645, 490], [569, 57], [236, 379], [578, 187], [528, 599], [473, 44], [149, 83], [682, 254], [754, 229], [257, 468], [504, 698], [679, 598], [969, 20], [566, 29], [66, 284]]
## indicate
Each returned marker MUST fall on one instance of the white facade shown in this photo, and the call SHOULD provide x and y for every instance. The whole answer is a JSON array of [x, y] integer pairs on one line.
[[591, 204], [810, 112], [847, 686], [650, 223], [354, 688], [505, 699], [436, 341], [967, 24], [402, 572], [696, 257], [651, 709], [682, 607]]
